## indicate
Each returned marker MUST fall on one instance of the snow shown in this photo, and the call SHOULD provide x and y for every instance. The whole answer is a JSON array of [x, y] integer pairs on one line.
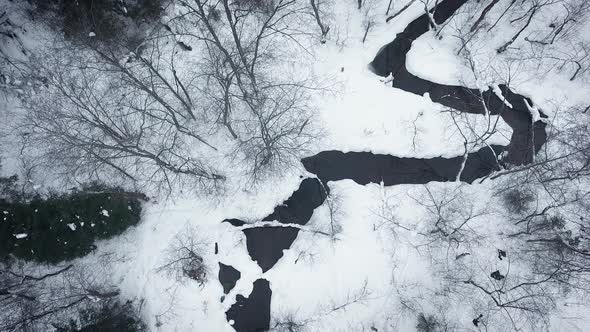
[[498, 92], [365, 115], [535, 115], [389, 260], [91, 34], [434, 60], [358, 255]]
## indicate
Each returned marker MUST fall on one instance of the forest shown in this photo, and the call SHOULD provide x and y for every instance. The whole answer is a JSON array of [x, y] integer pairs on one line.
[[294, 165]]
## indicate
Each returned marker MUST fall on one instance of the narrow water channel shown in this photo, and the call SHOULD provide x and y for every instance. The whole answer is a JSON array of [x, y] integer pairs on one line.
[[266, 244]]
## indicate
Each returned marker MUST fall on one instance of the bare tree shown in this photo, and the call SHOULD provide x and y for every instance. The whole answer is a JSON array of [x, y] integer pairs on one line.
[[332, 227], [292, 321], [483, 15], [529, 17], [573, 14], [546, 203], [369, 17], [101, 114], [141, 118], [271, 116], [334, 203], [569, 56], [553, 227], [559, 45], [387, 215], [389, 7], [318, 14], [36, 298], [184, 257], [403, 9], [451, 216], [288, 322], [430, 13]]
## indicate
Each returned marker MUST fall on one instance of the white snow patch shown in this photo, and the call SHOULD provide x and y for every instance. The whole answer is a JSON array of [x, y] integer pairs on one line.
[[534, 110], [434, 60], [496, 89], [21, 235]]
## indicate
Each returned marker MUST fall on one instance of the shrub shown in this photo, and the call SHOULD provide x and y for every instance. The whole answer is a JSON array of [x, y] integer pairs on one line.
[[557, 222], [427, 323], [64, 227], [519, 200], [184, 257]]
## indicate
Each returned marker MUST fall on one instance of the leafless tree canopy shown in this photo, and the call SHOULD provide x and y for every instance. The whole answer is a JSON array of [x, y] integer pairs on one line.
[[184, 257], [37, 298], [269, 116], [153, 117], [546, 35]]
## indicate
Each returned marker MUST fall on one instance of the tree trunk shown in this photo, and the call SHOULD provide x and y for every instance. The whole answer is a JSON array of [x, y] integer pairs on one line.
[[508, 43], [483, 14]]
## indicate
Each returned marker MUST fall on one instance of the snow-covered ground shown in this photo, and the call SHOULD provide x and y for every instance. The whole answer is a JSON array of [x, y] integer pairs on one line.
[[380, 265], [377, 275]]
